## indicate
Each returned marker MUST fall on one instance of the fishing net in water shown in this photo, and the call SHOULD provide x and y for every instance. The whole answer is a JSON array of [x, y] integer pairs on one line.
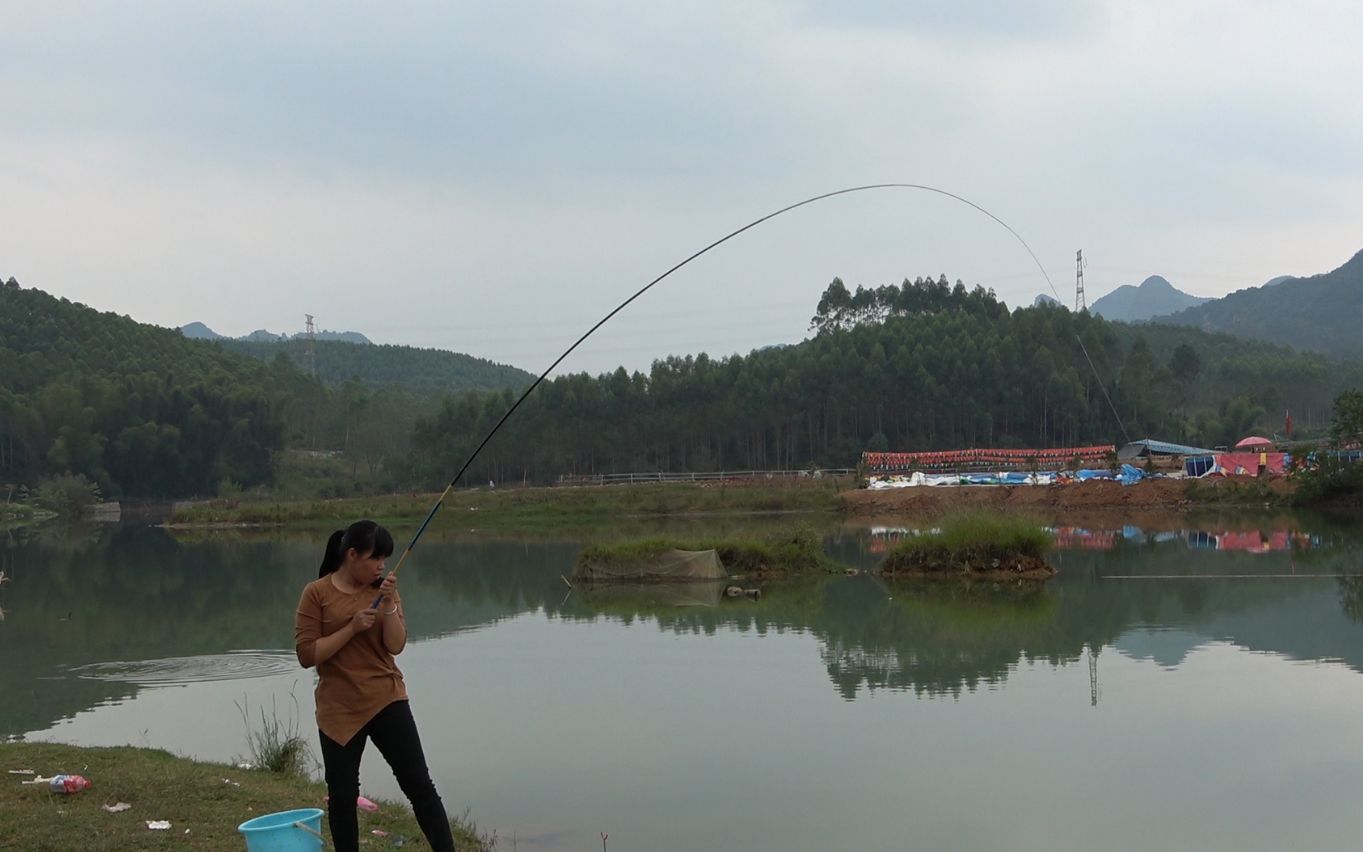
[[669, 565]]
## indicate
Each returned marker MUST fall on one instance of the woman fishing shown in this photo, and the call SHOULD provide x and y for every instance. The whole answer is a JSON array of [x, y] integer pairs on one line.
[[360, 691], [352, 639]]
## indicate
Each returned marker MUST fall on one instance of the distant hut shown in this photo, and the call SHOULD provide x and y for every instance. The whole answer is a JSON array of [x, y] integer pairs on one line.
[[1163, 454]]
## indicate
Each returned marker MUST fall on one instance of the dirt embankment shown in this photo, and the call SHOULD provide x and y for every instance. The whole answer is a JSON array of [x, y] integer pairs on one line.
[[1175, 495]]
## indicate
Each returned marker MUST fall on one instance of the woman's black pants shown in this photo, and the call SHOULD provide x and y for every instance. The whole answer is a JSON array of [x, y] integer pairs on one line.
[[393, 731]]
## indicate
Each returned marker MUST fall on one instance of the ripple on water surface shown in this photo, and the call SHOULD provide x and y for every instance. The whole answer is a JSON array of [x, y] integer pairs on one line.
[[172, 671]]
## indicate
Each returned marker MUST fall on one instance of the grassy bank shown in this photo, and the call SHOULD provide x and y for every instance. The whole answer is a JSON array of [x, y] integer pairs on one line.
[[792, 551], [23, 513], [510, 508], [204, 802], [1241, 491], [973, 543]]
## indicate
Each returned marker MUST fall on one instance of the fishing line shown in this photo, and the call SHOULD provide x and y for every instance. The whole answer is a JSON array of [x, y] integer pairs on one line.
[[1224, 576], [724, 239]]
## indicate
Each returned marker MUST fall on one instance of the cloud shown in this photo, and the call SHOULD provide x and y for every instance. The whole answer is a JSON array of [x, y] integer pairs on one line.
[[494, 177], [964, 20]]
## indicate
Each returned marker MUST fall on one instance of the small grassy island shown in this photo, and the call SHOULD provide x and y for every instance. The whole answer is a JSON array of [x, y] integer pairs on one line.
[[797, 551], [975, 545]]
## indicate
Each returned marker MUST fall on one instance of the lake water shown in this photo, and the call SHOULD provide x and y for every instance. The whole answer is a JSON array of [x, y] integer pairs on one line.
[[1187, 689]]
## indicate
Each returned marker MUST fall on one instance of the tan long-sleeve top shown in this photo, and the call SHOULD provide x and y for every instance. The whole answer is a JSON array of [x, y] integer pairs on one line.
[[362, 677]]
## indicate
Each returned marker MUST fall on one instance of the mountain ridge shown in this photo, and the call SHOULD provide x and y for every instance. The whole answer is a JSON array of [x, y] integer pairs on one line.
[[200, 331], [340, 356], [1317, 313], [1154, 296]]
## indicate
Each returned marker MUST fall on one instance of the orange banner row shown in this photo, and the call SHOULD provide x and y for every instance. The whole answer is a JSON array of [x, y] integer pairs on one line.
[[902, 461]]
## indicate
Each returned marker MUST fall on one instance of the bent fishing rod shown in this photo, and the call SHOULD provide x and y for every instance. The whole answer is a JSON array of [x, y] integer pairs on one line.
[[724, 239]]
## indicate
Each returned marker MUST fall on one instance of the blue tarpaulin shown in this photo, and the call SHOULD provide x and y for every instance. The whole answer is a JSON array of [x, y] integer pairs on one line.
[[1199, 465], [1127, 475]]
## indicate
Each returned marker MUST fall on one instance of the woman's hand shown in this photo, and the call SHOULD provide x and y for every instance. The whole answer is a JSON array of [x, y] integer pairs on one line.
[[394, 630], [363, 620]]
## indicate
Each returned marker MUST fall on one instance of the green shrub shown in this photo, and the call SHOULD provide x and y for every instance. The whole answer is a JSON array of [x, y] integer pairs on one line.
[[66, 494], [1332, 481]]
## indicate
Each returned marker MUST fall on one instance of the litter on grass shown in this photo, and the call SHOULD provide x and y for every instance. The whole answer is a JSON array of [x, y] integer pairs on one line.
[[60, 783], [158, 824], [118, 808], [67, 784]]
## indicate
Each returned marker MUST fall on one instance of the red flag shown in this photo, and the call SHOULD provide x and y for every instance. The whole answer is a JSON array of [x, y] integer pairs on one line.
[[1287, 424]]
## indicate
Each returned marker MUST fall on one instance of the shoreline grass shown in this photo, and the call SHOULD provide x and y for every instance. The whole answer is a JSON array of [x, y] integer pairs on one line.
[[512, 507], [204, 802], [277, 745]]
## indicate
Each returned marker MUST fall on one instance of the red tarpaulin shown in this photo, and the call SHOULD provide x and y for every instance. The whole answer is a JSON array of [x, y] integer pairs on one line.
[[1248, 464]]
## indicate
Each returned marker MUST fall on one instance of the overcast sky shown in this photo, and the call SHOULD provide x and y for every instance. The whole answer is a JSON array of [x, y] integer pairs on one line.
[[492, 178]]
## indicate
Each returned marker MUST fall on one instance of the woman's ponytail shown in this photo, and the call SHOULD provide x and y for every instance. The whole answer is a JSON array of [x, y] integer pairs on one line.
[[335, 555], [368, 539]]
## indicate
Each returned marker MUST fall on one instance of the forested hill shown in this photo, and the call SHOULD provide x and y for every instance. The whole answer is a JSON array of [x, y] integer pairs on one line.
[[922, 366], [423, 370], [137, 409], [145, 412], [1320, 313]]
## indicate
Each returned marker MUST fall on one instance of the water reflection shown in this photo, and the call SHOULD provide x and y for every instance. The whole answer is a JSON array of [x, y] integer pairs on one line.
[[94, 618], [1069, 537], [632, 598]]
